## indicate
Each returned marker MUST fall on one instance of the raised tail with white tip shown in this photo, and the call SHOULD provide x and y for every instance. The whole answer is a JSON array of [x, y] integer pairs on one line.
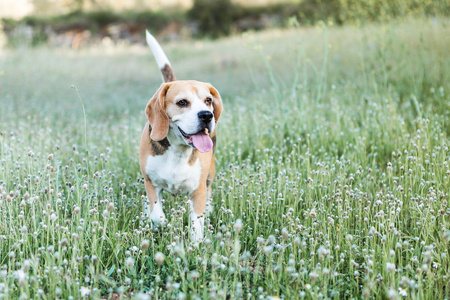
[[161, 58]]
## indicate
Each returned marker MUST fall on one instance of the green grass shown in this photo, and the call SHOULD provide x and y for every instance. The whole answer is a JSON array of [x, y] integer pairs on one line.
[[332, 151]]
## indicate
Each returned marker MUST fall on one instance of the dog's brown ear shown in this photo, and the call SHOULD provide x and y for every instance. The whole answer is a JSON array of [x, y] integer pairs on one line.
[[217, 103], [156, 113]]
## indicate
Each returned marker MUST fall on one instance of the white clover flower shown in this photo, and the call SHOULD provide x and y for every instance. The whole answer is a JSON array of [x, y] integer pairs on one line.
[[143, 296], [145, 244], [21, 277], [390, 267], [447, 234], [110, 206], [194, 275], [238, 226], [313, 276], [129, 262], [267, 250], [392, 294], [159, 258], [85, 291], [322, 251], [26, 265]]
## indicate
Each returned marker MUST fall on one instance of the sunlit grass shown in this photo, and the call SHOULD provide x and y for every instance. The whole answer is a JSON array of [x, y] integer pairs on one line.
[[332, 169]]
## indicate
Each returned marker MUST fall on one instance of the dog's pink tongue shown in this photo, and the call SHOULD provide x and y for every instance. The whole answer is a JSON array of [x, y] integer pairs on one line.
[[202, 142]]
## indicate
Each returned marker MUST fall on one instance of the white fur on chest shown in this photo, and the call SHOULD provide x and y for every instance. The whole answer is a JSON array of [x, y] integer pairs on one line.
[[172, 172]]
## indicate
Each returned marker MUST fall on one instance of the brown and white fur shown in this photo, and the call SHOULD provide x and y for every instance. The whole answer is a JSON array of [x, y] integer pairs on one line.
[[180, 115]]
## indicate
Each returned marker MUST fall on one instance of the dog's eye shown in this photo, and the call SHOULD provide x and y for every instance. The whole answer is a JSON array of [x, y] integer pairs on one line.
[[182, 102], [208, 101]]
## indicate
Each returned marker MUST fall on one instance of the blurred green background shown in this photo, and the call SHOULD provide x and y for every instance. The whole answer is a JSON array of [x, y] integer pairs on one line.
[[78, 23]]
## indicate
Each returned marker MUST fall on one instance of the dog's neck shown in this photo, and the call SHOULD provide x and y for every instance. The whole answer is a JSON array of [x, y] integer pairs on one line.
[[177, 142]]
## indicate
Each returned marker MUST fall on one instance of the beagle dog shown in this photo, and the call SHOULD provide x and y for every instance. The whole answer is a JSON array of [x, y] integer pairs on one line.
[[178, 142]]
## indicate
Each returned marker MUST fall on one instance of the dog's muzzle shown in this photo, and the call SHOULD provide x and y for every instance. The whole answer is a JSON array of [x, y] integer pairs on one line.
[[200, 140]]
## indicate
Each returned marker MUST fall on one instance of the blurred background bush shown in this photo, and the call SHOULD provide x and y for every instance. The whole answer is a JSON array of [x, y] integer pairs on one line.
[[76, 23]]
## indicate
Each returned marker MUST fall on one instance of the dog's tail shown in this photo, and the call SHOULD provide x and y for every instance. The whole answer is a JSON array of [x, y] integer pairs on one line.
[[161, 58]]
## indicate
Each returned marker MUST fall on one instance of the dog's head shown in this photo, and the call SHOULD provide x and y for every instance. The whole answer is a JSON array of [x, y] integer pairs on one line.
[[190, 108]]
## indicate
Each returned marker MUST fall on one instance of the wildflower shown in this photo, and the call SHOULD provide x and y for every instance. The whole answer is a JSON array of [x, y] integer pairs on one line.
[[390, 267], [447, 236], [85, 291], [110, 206], [308, 286], [285, 233], [271, 239], [143, 296], [129, 262], [26, 265], [194, 275], [238, 225], [267, 250], [322, 251], [178, 250], [392, 294], [424, 267], [58, 291], [145, 244], [21, 277], [366, 292], [24, 229], [159, 258], [402, 292], [53, 217], [313, 276]]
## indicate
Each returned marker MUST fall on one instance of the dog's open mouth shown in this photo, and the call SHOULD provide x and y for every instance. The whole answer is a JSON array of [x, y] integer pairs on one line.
[[200, 140]]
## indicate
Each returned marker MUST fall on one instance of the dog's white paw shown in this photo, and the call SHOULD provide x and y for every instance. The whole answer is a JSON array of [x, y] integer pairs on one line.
[[157, 215], [198, 224]]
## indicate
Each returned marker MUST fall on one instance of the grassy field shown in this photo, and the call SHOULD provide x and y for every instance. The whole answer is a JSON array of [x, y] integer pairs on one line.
[[332, 181]]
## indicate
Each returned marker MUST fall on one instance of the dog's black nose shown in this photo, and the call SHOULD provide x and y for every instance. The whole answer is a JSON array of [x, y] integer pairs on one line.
[[205, 116]]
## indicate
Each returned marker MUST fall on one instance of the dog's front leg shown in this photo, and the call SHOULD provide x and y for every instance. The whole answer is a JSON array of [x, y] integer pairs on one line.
[[154, 203], [198, 202]]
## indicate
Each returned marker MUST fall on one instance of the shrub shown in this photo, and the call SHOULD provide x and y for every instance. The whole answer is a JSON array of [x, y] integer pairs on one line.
[[214, 17]]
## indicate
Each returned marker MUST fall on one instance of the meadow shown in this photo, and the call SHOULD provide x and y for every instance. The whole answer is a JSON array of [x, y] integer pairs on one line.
[[332, 169]]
